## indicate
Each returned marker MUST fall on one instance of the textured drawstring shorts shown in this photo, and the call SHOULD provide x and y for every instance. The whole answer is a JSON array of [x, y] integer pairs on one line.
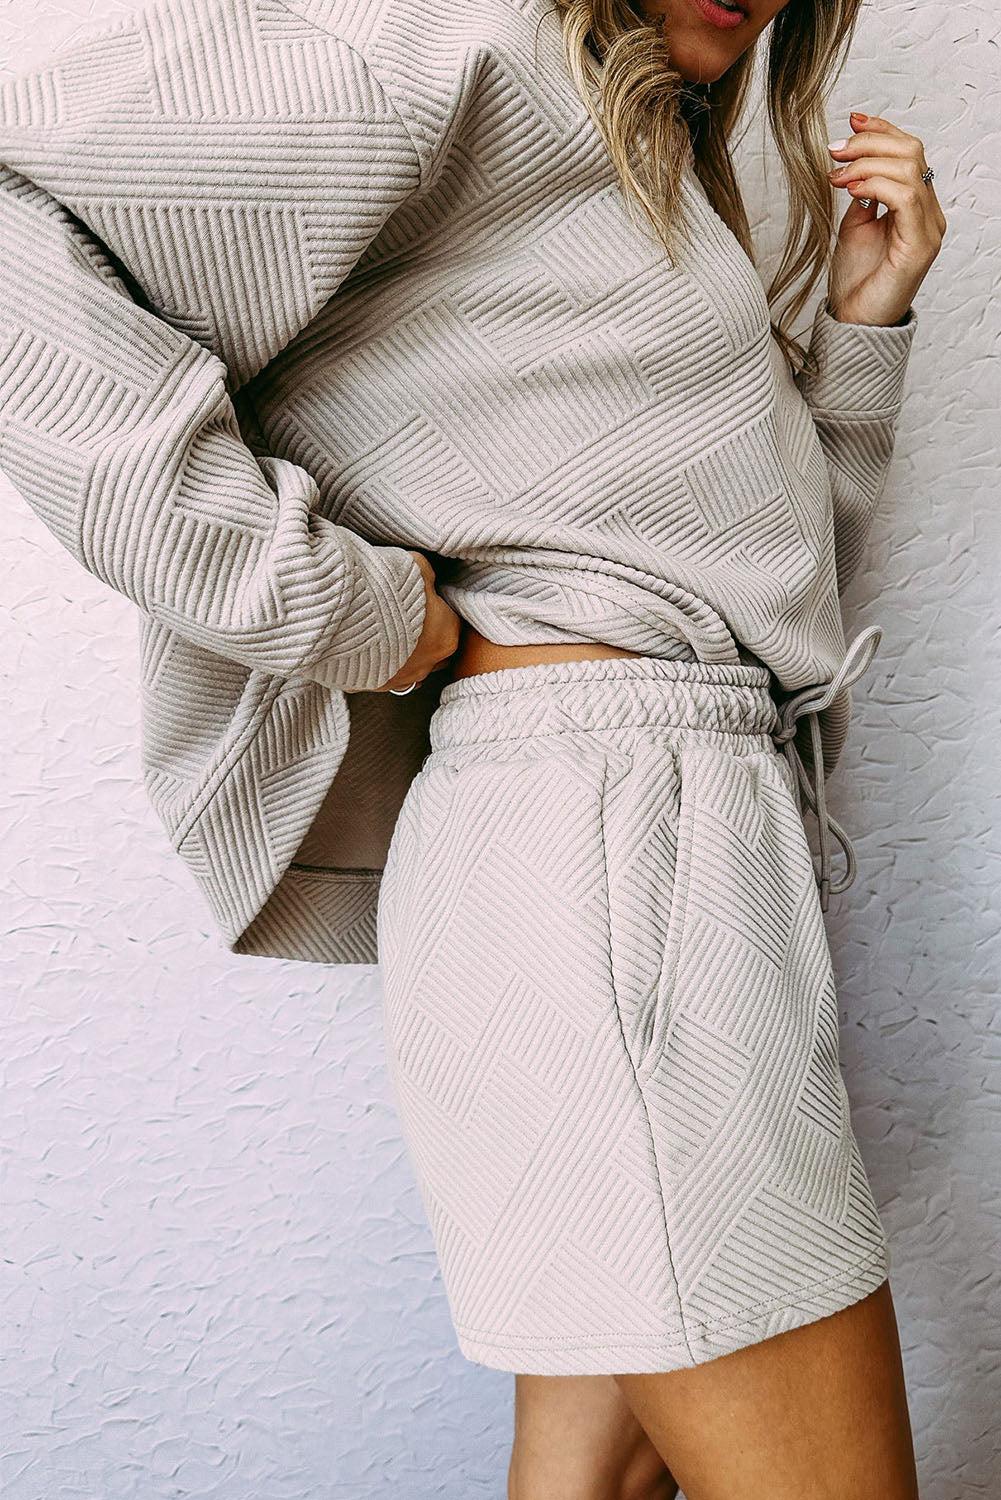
[[611, 1022]]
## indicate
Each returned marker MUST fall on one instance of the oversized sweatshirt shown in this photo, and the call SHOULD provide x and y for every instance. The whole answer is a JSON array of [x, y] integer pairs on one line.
[[290, 287]]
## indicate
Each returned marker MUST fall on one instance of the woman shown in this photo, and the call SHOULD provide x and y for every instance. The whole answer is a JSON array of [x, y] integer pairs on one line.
[[562, 798], [610, 1011]]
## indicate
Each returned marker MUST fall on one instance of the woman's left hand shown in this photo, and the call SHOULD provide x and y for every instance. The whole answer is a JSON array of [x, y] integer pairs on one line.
[[879, 263]]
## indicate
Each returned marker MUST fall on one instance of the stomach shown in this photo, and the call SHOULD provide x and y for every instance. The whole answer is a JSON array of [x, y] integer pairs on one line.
[[476, 653]]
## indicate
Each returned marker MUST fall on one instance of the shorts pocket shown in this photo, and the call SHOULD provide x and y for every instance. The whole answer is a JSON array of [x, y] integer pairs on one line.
[[647, 836], [741, 910], [676, 906]]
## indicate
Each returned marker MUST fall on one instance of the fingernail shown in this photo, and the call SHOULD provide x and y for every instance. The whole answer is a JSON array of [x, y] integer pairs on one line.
[[858, 115], [836, 145]]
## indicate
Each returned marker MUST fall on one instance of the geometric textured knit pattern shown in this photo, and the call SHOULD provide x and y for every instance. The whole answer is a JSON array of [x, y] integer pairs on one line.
[[290, 287], [611, 1022]]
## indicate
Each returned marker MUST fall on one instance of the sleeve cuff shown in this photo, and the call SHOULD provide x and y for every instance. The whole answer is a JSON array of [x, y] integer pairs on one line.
[[382, 622], [860, 366]]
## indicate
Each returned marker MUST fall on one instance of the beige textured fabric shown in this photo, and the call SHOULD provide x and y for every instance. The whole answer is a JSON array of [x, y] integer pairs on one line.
[[612, 1026], [289, 286]]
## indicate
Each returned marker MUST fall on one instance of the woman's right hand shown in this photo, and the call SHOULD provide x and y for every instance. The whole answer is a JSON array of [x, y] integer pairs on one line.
[[439, 638]]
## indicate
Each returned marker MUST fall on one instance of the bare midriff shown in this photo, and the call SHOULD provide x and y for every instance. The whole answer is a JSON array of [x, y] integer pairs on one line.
[[477, 654]]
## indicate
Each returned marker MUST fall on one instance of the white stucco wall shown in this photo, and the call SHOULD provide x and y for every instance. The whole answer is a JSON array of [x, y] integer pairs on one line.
[[217, 1279]]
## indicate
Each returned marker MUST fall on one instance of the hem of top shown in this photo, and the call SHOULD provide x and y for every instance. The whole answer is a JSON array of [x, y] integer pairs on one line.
[[534, 674], [621, 1355]]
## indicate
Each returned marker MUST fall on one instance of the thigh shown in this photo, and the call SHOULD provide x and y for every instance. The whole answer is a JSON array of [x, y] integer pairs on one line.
[[814, 1413], [576, 1438]]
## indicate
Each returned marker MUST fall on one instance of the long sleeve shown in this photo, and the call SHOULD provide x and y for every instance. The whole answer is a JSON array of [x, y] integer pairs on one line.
[[855, 399], [153, 259]]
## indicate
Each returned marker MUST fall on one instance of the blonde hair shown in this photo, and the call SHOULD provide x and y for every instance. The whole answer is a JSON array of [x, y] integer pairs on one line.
[[647, 114]]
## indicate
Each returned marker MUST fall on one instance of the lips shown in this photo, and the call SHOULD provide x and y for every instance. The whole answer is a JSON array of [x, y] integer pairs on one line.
[[718, 16]]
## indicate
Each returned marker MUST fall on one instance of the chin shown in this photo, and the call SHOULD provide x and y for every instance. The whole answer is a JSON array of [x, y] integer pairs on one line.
[[700, 67]]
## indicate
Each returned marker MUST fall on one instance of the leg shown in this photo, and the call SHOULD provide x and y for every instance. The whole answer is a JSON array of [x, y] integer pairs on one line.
[[814, 1413], [575, 1438]]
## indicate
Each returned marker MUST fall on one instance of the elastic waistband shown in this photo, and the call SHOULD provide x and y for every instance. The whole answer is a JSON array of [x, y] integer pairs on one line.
[[618, 691], [596, 693]]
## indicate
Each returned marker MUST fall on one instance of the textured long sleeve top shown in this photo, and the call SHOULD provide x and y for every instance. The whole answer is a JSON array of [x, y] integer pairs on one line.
[[290, 287]]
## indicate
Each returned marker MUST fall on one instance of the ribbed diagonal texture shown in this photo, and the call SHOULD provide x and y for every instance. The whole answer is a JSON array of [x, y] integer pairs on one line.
[[290, 287], [611, 1023]]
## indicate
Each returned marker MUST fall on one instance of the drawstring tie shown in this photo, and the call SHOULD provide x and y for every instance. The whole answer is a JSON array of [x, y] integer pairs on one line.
[[812, 700]]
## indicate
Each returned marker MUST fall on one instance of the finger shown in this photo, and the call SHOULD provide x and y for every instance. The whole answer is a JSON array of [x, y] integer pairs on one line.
[[875, 122], [861, 208], [905, 199], [887, 145], [900, 168]]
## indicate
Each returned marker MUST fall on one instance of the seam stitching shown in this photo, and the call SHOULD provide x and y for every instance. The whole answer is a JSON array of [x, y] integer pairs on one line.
[[754, 1308]]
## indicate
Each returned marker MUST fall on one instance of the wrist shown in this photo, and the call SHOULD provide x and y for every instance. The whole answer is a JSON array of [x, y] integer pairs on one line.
[[900, 322]]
